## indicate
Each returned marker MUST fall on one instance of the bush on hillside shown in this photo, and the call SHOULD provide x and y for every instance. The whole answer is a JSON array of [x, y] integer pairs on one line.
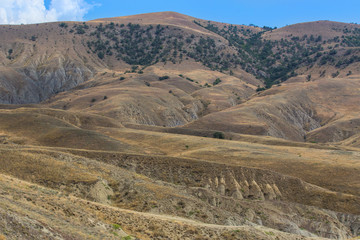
[[219, 135], [163, 78]]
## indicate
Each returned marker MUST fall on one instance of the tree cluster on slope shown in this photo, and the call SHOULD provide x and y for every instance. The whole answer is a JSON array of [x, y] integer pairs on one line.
[[274, 61]]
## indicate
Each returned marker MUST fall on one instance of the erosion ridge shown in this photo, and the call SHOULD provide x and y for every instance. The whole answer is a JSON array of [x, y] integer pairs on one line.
[[127, 189]]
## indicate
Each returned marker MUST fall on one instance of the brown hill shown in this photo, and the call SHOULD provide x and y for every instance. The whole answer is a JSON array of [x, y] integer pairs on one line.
[[208, 192], [312, 111], [163, 18], [326, 29]]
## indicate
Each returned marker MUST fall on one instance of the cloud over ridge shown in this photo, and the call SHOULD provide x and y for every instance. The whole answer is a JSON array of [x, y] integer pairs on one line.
[[34, 11]]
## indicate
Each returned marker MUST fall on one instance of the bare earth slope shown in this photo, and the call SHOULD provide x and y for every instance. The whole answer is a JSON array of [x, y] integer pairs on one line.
[[80, 219], [218, 191], [297, 111]]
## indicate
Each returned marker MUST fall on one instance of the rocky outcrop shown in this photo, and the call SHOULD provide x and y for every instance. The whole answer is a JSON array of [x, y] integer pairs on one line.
[[351, 221], [240, 189], [101, 192], [41, 79], [252, 183]]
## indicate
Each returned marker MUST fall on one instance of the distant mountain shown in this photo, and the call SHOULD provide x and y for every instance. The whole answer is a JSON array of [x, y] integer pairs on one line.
[[72, 53]]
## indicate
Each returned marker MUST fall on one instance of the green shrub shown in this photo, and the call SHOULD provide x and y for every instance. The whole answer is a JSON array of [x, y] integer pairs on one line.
[[101, 55], [134, 68], [217, 81], [335, 74], [163, 78], [63, 25], [333, 52], [116, 226], [219, 135]]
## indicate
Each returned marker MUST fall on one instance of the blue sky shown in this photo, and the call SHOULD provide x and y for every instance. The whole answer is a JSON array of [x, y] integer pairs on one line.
[[259, 12]]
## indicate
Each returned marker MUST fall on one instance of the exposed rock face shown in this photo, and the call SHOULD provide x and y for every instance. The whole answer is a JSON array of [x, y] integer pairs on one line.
[[101, 192], [41, 79], [240, 189], [160, 110], [351, 221]]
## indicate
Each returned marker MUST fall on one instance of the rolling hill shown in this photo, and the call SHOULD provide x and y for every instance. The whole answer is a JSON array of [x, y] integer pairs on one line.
[[165, 126]]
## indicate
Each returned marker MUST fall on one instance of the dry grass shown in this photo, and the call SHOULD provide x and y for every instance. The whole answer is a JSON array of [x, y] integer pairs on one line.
[[310, 162], [326, 29], [72, 216]]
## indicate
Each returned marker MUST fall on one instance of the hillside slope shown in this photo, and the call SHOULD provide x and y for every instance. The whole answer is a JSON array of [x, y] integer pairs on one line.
[[310, 111]]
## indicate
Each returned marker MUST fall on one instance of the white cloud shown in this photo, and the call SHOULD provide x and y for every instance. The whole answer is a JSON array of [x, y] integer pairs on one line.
[[34, 11]]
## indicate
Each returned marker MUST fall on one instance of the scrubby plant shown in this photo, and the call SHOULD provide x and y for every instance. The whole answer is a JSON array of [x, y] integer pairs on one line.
[[163, 78], [335, 74], [63, 25], [219, 135], [259, 89], [101, 55], [217, 81], [116, 226]]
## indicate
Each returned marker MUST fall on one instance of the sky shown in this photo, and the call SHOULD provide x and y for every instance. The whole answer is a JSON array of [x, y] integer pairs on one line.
[[273, 13]]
